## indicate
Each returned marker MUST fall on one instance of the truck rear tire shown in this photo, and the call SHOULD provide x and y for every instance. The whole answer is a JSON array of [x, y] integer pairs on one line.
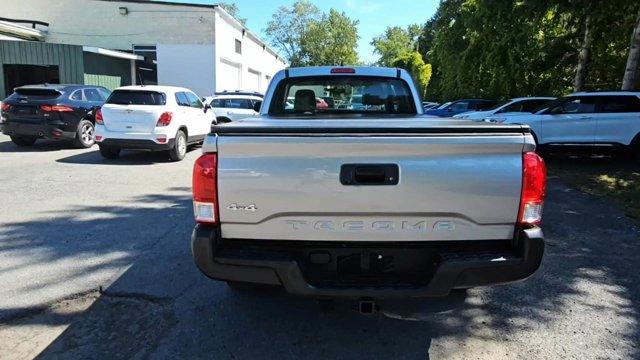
[[108, 152], [179, 149], [23, 140]]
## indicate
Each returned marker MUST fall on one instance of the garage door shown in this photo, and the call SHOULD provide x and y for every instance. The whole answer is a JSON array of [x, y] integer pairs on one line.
[[253, 80], [228, 76]]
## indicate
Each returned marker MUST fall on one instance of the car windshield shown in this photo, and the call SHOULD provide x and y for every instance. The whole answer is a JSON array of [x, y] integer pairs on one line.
[[363, 95], [444, 106], [137, 97], [499, 105], [549, 104]]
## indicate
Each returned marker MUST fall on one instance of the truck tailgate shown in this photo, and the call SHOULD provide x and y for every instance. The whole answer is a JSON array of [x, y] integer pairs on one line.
[[450, 185]]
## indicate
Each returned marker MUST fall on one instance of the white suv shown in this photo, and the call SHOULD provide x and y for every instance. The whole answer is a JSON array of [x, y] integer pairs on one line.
[[585, 119], [156, 118], [233, 107]]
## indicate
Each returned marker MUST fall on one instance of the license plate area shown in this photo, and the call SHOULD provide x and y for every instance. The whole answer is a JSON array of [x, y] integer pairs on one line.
[[369, 267]]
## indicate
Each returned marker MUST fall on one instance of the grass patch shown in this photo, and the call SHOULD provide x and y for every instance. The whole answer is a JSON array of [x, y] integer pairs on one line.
[[614, 178]]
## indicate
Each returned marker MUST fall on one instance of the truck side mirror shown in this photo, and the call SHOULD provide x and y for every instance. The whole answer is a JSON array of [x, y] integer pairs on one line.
[[206, 108], [256, 106]]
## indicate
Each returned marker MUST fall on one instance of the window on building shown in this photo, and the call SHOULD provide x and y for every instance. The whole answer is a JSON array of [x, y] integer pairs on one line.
[[238, 46], [146, 70]]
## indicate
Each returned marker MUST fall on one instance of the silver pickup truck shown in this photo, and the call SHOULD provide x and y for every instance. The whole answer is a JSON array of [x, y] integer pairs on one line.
[[341, 187]]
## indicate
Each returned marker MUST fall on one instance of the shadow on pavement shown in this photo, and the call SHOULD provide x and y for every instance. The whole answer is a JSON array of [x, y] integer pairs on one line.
[[39, 146], [163, 307], [127, 157]]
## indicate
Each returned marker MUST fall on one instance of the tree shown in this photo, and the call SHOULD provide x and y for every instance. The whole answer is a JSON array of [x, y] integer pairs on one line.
[[415, 65], [287, 27], [233, 10], [502, 49], [332, 40], [584, 56], [395, 42], [631, 79]]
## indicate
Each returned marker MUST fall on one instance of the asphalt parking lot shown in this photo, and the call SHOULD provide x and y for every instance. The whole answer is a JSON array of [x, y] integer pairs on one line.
[[95, 263]]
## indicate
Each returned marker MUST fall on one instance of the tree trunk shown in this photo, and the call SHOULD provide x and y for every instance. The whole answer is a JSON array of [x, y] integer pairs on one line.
[[631, 79], [584, 56]]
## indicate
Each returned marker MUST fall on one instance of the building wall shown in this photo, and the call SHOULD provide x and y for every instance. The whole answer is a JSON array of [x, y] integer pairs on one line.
[[106, 71], [99, 23], [255, 61], [195, 44], [187, 65], [68, 58]]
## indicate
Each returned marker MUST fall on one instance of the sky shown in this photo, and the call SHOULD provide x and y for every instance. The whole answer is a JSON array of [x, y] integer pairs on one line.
[[374, 15]]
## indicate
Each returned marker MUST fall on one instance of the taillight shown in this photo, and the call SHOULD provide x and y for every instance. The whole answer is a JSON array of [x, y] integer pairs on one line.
[[205, 189], [98, 117], [55, 108], [5, 107], [534, 179], [164, 119]]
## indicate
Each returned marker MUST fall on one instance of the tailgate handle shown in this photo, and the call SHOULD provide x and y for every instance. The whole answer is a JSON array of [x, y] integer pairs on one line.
[[369, 174]]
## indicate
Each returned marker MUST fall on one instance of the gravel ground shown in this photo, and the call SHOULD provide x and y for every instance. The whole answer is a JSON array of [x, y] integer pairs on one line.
[[95, 263]]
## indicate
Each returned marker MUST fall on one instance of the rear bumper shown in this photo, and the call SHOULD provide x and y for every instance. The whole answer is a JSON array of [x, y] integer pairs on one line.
[[137, 144], [39, 130], [133, 140], [379, 270]]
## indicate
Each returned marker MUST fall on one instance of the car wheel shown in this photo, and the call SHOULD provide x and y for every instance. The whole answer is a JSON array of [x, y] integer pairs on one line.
[[85, 135], [108, 152], [24, 140], [179, 149]]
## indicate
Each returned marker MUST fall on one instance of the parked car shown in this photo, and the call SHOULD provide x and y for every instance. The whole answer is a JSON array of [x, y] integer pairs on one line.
[[240, 92], [59, 112], [233, 107], [154, 118], [460, 106], [526, 105], [427, 105], [585, 119], [365, 202]]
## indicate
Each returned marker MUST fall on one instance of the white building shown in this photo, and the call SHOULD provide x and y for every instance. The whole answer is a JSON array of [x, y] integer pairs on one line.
[[200, 47]]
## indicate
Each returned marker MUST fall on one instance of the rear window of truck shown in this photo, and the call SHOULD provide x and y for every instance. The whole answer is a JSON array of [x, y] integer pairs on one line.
[[320, 95], [137, 97]]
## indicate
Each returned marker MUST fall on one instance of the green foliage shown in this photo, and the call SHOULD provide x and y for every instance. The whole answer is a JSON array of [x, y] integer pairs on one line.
[[415, 65], [394, 43], [306, 36], [506, 48], [332, 40], [287, 27]]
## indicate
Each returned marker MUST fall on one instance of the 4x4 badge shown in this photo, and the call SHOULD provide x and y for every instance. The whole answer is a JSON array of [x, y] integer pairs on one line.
[[236, 207]]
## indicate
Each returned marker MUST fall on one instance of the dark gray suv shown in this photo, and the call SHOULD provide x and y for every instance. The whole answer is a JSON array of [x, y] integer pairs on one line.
[[52, 111]]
